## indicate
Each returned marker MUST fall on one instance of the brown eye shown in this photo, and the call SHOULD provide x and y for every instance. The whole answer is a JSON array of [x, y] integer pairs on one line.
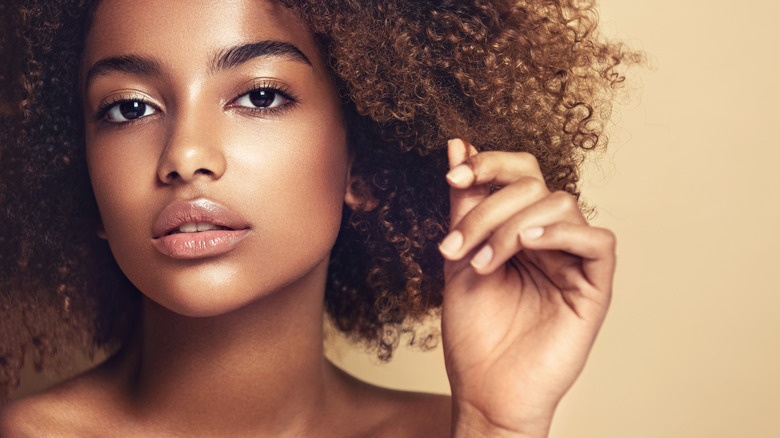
[[132, 110], [129, 110], [262, 98]]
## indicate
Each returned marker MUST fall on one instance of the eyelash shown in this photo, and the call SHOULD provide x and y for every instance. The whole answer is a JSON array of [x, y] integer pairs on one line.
[[102, 112], [270, 87]]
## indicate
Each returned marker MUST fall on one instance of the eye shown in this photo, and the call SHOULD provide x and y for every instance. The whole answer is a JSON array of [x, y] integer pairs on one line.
[[128, 110], [264, 98]]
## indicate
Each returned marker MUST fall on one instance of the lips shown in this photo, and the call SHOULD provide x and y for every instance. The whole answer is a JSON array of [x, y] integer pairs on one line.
[[197, 229]]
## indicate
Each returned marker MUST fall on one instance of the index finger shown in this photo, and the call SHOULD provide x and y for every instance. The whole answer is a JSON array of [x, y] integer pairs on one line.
[[494, 167]]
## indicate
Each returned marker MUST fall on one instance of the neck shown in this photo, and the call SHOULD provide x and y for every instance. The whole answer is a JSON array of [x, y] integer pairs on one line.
[[260, 367]]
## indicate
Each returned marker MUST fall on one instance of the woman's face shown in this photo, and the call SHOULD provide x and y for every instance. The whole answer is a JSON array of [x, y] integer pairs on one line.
[[216, 149]]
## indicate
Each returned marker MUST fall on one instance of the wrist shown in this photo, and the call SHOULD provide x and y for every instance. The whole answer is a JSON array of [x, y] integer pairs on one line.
[[470, 422]]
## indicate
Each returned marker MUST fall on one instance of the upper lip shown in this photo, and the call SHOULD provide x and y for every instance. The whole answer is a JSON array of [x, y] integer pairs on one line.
[[179, 213]]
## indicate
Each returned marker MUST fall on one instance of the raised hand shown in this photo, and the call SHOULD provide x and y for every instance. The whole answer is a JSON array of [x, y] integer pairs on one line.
[[527, 286]]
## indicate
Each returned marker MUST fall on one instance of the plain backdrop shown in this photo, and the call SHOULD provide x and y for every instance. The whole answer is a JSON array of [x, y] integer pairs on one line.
[[690, 347]]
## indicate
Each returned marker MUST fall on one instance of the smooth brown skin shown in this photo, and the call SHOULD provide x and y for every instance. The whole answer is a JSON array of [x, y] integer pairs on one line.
[[232, 345], [518, 326]]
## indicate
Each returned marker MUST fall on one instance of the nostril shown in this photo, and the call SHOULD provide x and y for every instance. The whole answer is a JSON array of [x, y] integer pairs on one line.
[[174, 175]]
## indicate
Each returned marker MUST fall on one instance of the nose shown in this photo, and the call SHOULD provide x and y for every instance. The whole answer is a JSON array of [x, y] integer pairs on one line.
[[193, 150]]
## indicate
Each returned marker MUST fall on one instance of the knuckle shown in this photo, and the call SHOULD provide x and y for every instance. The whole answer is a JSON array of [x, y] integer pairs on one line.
[[477, 160], [610, 239], [477, 164], [488, 161], [529, 160], [565, 200], [534, 186], [527, 157]]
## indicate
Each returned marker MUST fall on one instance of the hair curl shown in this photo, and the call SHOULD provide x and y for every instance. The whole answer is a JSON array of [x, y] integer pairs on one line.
[[507, 75]]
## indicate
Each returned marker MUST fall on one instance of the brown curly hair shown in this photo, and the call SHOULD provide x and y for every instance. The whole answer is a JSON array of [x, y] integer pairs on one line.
[[505, 74]]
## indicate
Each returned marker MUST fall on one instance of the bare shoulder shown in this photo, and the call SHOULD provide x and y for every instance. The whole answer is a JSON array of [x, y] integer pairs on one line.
[[35, 416], [62, 411], [16, 421], [399, 414]]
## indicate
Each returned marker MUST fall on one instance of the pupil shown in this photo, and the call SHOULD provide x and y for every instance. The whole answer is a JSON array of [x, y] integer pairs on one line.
[[132, 110], [262, 98]]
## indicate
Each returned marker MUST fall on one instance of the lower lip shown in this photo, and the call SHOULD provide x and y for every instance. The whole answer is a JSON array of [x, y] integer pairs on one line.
[[199, 245]]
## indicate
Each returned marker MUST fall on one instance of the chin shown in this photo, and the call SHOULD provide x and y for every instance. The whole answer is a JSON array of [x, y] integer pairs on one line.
[[217, 289], [202, 302], [200, 291]]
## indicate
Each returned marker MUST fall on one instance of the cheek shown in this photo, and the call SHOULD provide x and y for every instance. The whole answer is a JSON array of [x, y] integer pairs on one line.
[[119, 173], [299, 178]]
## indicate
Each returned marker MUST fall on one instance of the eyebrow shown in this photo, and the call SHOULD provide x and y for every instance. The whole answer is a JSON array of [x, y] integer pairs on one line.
[[135, 64], [240, 54], [223, 60]]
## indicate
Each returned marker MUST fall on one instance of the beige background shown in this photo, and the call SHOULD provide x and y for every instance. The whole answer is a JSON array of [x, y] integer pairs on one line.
[[690, 348]]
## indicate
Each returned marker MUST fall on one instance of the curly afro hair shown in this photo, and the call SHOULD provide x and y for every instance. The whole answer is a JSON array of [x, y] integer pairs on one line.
[[509, 75]]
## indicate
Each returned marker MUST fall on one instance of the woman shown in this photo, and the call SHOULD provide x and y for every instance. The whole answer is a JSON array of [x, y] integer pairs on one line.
[[252, 159]]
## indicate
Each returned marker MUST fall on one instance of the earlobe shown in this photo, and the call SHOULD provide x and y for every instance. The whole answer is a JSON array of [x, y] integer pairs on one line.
[[358, 196]]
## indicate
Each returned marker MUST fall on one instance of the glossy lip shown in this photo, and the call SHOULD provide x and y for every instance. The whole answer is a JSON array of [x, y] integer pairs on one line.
[[202, 244]]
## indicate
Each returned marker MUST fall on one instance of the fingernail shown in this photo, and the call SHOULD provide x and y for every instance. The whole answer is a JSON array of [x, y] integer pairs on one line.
[[532, 233], [483, 257], [460, 175], [452, 243]]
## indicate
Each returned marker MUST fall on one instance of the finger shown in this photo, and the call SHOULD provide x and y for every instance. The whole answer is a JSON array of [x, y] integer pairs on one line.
[[491, 213], [495, 167], [594, 246], [558, 277], [572, 256], [505, 241], [462, 200], [458, 151]]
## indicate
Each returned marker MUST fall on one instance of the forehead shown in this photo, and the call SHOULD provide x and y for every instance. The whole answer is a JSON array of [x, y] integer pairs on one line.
[[183, 31]]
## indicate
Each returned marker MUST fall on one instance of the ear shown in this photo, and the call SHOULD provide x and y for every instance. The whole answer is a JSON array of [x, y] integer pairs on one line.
[[358, 196]]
